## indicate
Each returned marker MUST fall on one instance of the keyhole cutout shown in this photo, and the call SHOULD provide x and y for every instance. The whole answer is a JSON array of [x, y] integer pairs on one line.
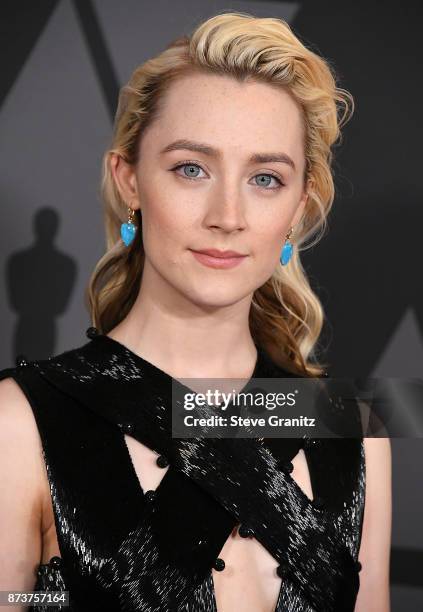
[[144, 461], [250, 570], [301, 474], [249, 580]]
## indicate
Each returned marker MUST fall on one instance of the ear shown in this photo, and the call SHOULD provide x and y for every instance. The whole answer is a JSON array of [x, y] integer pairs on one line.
[[301, 206], [125, 180]]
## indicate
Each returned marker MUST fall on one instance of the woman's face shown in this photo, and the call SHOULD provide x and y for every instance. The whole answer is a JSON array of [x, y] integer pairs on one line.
[[220, 196]]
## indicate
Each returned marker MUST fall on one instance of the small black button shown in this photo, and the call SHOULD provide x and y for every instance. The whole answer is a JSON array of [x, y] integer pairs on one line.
[[108, 571], [219, 564], [150, 495], [282, 570], [92, 332], [358, 566], [287, 466], [127, 428], [42, 569], [162, 461], [325, 374], [21, 361], [245, 531], [318, 502], [56, 562]]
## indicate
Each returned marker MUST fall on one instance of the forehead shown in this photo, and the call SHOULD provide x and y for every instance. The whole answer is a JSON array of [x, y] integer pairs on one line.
[[233, 116]]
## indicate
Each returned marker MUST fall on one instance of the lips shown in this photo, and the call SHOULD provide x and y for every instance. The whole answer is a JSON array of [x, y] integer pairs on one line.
[[219, 254], [213, 258]]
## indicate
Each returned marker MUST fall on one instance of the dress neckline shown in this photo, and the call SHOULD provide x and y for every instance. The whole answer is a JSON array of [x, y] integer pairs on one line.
[[262, 366]]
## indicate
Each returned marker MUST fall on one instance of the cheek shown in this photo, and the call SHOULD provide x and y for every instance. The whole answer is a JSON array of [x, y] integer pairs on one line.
[[271, 228], [167, 230], [270, 240]]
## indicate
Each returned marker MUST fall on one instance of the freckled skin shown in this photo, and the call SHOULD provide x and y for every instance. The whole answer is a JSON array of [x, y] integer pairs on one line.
[[228, 205]]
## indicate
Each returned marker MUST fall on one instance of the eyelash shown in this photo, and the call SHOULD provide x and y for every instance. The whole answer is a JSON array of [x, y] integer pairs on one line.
[[190, 163]]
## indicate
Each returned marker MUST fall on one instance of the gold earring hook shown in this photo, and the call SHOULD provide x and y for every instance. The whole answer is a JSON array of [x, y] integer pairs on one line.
[[131, 214]]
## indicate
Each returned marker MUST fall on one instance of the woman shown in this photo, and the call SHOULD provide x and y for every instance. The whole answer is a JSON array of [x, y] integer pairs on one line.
[[221, 143]]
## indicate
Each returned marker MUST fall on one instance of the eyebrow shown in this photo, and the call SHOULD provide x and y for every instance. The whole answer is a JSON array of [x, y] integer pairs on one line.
[[199, 147]]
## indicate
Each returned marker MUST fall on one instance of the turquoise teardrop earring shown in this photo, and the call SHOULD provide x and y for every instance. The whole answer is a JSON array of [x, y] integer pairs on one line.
[[287, 250], [128, 230]]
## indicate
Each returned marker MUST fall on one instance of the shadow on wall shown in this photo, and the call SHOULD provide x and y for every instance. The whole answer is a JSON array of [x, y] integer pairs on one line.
[[39, 284]]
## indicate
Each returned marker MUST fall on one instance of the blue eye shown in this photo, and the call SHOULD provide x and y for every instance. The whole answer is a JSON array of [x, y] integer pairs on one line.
[[270, 176], [192, 167]]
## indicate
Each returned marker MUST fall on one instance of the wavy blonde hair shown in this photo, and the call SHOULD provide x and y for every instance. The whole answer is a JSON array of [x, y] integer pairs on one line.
[[286, 316]]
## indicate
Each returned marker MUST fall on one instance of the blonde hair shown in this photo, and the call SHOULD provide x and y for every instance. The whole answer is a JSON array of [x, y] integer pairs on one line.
[[286, 316]]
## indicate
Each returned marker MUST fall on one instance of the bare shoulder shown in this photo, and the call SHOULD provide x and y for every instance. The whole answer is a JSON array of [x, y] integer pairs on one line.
[[375, 546], [20, 441], [13, 402], [378, 461], [21, 477], [378, 453], [16, 416]]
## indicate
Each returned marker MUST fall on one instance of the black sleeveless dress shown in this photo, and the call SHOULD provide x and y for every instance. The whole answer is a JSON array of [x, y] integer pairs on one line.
[[122, 548]]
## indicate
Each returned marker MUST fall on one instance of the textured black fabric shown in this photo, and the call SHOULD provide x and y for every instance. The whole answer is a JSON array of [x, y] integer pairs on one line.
[[123, 550]]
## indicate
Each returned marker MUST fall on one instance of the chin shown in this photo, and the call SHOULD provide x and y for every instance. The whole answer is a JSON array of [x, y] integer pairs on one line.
[[215, 296]]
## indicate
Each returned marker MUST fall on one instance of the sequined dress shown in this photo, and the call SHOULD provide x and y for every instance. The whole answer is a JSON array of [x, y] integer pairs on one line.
[[122, 548]]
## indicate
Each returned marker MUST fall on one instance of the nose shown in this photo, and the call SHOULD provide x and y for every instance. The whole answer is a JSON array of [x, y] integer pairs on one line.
[[226, 211]]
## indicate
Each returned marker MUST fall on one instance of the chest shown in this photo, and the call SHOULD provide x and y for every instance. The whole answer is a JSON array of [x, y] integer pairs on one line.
[[250, 579]]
